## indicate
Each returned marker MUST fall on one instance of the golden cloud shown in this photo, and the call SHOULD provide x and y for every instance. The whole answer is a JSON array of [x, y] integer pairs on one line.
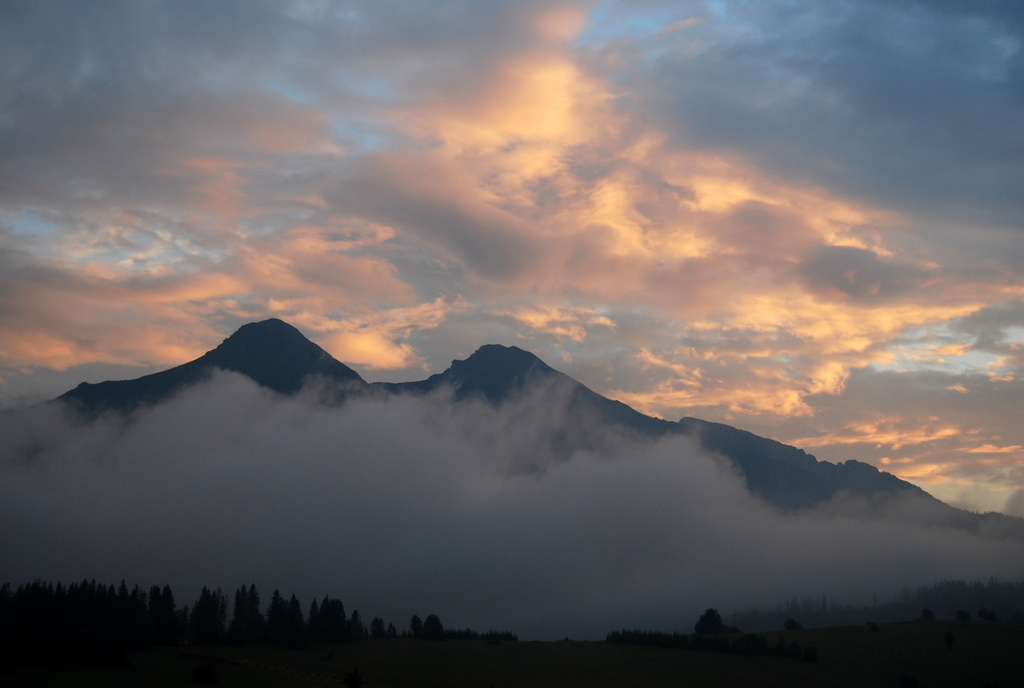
[[890, 431], [373, 340], [563, 321], [993, 449]]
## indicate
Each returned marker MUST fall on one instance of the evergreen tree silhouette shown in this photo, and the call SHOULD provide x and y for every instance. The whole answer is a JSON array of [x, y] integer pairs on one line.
[[277, 619], [355, 630], [248, 623], [206, 621]]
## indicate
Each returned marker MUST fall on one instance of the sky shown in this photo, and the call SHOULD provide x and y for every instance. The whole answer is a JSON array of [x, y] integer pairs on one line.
[[800, 218]]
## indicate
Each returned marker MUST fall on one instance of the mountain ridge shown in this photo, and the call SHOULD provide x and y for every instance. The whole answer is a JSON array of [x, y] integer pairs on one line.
[[277, 356]]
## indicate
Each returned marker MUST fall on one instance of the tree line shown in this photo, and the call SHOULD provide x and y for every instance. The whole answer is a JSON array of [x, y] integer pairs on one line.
[[992, 599], [97, 623], [711, 634]]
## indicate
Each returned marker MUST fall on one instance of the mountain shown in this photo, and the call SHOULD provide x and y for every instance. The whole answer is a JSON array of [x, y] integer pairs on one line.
[[278, 357], [783, 475], [498, 373], [272, 353], [789, 477]]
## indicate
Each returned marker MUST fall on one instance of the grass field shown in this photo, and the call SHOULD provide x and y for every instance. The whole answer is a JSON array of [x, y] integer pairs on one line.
[[912, 653]]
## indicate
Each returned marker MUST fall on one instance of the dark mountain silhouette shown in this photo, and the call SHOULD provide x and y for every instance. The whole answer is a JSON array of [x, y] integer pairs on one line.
[[272, 353], [498, 373], [783, 475], [494, 373], [278, 357], [788, 476]]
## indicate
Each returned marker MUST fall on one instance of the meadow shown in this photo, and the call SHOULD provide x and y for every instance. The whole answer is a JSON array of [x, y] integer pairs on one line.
[[914, 653]]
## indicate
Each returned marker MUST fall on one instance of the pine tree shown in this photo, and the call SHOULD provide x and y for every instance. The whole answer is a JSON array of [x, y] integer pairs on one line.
[[330, 623], [209, 613], [296, 635], [247, 624], [277, 619], [355, 630]]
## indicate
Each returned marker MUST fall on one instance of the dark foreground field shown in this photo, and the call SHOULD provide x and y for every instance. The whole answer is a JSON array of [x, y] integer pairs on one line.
[[904, 654]]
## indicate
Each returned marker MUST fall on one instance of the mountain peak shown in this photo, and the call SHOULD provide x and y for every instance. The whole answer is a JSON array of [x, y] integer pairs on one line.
[[509, 359], [271, 352], [271, 327], [494, 372], [277, 356]]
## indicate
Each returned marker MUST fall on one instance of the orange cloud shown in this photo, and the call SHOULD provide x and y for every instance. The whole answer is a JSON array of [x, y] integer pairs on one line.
[[314, 262], [687, 392], [172, 336], [569, 322], [837, 328], [993, 449], [27, 349], [519, 124], [927, 473], [185, 288], [894, 432], [374, 340], [374, 350]]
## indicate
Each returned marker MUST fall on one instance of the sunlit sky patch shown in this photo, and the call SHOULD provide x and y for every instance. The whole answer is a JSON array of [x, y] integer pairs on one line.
[[940, 349], [803, 219]]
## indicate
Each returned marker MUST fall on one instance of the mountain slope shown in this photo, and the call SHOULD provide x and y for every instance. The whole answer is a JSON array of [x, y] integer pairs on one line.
[[782, 475], [272, 353], [789, 477]]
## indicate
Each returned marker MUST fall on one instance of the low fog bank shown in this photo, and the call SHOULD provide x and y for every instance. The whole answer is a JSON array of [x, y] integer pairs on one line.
[[408, 506]]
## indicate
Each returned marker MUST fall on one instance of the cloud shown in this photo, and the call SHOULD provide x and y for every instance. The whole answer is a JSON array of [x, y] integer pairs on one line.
[[376, 341], [567, 322], [404, 506], [858, 274], [868, 97]]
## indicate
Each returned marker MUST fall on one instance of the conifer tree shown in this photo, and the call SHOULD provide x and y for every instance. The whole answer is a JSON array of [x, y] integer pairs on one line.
[[355, 630], [209, 613], [277, 618]]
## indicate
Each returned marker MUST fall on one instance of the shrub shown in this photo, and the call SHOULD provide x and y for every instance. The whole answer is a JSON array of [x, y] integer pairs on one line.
[[709, 623]]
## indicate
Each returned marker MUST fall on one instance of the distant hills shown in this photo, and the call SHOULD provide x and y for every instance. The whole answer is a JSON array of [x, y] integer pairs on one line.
[[278, 357]]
